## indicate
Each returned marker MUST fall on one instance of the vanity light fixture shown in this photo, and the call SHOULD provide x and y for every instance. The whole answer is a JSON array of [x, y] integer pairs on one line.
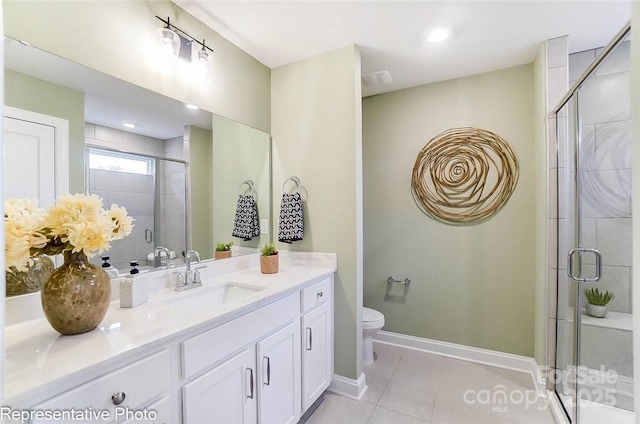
[[192, 107], [203, 62], [168, 40], [183, 47], [129, 125], [438, 35]]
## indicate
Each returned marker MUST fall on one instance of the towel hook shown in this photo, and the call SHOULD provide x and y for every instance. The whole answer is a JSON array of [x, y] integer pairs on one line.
[[406, 281], [295, 180], [249, 183]]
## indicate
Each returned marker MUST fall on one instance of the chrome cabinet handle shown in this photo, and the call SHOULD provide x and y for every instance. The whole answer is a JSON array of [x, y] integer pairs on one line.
[[250, 395], [320, 294], [267, 381], [309, 338], [579, 278], [118, 397]]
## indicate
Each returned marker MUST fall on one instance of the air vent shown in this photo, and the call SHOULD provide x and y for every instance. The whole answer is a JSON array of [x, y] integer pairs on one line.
[[377, 78]]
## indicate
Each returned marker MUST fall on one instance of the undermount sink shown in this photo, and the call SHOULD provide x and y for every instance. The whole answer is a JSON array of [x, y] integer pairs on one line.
[[203, 298]]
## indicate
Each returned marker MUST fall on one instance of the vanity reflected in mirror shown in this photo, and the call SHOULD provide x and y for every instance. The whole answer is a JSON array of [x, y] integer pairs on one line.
[[177, 169]]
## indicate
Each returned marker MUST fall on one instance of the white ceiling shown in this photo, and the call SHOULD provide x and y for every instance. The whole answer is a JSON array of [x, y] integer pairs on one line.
[[485, 35], [108, 101]]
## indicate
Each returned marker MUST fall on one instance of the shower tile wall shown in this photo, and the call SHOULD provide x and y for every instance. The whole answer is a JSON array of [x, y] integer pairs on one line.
[[99, 136], [136, 193], [605, 158], [171, 179]]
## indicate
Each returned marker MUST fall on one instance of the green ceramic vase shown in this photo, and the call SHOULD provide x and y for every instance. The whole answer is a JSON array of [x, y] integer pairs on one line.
[[76, 296], [29, 281]]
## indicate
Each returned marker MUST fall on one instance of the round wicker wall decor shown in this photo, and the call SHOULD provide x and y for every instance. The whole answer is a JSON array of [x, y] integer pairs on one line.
[[464, 175]]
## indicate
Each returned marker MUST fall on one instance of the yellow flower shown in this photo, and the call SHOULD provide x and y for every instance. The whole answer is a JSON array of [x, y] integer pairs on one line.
[[91, 234], [123, 222], [76, 222], [69, 209], [23, 222]]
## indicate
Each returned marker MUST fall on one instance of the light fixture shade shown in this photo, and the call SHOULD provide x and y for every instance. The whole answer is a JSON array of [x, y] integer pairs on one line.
[[203, 62], [168, 42]]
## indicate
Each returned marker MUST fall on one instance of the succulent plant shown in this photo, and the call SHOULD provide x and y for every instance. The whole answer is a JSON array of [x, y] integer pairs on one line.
[[223, 247], [596, 297], [268, 250]]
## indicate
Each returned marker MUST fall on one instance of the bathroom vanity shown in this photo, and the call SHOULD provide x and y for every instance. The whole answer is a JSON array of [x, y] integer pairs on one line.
[[243, 348]]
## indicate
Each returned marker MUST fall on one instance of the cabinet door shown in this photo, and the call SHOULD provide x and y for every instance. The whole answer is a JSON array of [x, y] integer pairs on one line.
[[224, 395], [279, 376], [316, 354]]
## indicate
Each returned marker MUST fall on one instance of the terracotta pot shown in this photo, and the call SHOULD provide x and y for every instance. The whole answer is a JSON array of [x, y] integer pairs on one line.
[[221, 254], [597, 311], [76, 296], [29, 281], [269, 264]]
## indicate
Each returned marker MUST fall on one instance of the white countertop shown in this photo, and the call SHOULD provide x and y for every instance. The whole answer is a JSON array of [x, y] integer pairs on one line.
[[36, 355]]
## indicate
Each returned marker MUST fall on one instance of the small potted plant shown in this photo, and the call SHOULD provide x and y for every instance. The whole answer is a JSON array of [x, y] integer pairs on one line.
[[269, 259], [223, 250], [597, 302]]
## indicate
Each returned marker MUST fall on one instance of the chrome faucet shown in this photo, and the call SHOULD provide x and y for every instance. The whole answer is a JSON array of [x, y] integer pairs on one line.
[[158, 252], [190, 279]]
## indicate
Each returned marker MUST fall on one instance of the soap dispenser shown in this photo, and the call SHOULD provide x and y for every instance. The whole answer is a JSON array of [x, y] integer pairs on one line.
[[134, 269], [106, 266], [133, 289]]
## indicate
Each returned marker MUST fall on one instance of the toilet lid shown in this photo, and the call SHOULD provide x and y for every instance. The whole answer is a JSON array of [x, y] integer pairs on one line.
[[371, 315]]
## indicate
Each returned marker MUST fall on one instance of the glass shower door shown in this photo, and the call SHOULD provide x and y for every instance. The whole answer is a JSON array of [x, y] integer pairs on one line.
[[594, 355]]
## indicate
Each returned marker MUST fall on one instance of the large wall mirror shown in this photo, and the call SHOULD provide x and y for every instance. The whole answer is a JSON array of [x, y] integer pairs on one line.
[[179, 172]]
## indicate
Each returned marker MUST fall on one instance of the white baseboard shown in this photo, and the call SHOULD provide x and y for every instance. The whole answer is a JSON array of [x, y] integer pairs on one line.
[[349, 387], [556, 409], [467, 353]]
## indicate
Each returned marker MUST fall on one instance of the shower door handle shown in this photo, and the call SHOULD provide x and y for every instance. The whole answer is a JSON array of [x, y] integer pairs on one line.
[[579, 278], [148, 235]]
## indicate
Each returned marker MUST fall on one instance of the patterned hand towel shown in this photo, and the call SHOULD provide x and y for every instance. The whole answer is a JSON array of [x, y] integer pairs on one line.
[[246, 224], [290, 227]]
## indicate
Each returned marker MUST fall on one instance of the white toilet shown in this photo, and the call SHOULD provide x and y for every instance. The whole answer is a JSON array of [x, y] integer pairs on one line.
[[372, 322]]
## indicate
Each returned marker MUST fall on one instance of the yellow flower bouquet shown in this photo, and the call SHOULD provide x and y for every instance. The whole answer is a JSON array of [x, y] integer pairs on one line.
[[76, 223], [75, 296]]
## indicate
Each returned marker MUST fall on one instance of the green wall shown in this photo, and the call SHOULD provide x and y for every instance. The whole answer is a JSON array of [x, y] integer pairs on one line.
[[239, 153], [28, 93], [472, 285], [316, 130], [199, 143]]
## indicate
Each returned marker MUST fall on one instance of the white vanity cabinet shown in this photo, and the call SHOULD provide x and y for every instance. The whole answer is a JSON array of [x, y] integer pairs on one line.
[[248, 388], [317, 341], [264, 363], [261, 383]]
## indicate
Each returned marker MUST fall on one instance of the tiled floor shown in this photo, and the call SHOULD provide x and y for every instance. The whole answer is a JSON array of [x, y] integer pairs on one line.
[[412, 387]]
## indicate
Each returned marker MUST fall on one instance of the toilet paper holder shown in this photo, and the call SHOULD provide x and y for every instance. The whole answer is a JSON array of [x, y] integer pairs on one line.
[[406, 281]]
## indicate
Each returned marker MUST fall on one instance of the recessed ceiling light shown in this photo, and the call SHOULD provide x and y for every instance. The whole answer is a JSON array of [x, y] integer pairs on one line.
[[192, 107], [129, 125], [438, 35]]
